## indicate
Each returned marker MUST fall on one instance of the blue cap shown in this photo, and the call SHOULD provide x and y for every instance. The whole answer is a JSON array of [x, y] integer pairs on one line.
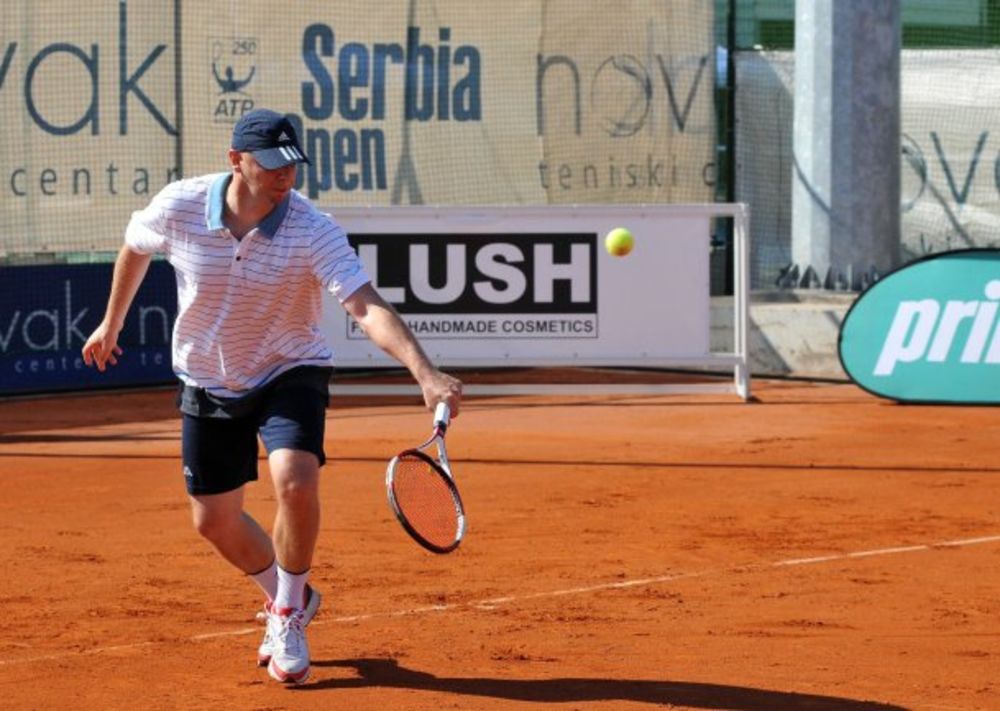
[[269, 137]]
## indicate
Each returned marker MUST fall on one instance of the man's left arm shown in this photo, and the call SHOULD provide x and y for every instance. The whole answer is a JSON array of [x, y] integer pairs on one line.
[[383, 326]]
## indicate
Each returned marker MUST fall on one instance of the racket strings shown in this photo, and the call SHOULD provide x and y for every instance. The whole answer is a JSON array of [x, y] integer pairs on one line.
[[425, 500]]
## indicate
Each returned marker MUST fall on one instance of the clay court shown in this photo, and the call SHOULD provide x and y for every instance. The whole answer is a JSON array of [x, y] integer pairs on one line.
[[816, 549]]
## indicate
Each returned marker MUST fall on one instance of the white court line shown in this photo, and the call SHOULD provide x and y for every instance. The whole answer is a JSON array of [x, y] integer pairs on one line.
[[495, 602]]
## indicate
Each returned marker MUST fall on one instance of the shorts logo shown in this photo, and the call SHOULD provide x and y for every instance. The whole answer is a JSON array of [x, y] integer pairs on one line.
[[234, 74], [188, 474]]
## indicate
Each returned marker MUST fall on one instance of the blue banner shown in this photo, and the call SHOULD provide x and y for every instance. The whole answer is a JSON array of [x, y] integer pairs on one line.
[[47, 313]]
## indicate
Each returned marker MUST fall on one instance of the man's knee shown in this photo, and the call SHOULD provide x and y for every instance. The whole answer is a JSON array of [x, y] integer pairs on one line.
[[296, 489], [295, 475], [214, 522]]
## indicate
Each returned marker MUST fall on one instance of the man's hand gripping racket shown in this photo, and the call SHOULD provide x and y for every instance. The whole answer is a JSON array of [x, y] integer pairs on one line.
[[422, 491]]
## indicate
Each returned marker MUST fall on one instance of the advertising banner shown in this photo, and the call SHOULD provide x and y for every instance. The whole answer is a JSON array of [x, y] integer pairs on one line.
[[928, 332], [459, 103], [479, 287], [949, 153], [47, 313], [534, 286], [90, 107], [451, 103]]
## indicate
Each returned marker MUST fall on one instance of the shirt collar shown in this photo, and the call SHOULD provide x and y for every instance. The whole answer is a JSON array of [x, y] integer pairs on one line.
[[217, 198]]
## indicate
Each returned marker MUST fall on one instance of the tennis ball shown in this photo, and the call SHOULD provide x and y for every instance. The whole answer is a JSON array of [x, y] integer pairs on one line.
[[619, 242]]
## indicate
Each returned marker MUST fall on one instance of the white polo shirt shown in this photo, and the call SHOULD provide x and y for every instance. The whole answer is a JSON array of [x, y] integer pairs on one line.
[[249, 309]]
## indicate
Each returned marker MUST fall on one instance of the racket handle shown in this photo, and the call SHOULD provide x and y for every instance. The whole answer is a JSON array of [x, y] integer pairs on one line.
[[442, 416]]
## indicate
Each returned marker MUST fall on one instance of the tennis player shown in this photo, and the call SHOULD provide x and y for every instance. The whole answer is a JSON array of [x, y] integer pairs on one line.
[[251, 256]]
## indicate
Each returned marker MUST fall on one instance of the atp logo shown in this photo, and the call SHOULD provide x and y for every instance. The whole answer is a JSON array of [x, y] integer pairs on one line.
[[234, 72]]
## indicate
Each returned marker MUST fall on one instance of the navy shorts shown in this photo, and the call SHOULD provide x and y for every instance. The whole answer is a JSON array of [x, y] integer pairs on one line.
[[219, 435]]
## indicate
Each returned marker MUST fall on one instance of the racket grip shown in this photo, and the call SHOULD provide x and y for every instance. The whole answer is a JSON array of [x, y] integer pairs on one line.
[[442, 415]]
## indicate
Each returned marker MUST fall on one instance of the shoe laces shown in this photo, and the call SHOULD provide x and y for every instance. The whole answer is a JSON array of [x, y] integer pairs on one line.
[[290, 631]]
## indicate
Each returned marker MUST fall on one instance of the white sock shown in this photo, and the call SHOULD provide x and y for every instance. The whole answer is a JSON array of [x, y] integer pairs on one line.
[[291, 589], [267, 579]]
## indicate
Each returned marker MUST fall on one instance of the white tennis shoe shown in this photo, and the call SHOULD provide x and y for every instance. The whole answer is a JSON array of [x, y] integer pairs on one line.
[[266, 649], [290, 652]]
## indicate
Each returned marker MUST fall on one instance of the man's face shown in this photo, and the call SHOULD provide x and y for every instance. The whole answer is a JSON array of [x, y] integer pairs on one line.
[[267, 185]]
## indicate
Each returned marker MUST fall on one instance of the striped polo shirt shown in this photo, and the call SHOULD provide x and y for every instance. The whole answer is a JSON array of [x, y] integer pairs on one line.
[[249, 309]]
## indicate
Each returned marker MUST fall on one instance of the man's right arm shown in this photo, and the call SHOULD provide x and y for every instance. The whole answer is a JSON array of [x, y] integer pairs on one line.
[[102, 346], [383, 326]]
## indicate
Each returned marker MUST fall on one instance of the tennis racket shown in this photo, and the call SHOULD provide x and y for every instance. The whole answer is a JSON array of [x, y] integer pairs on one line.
[[422, 491]]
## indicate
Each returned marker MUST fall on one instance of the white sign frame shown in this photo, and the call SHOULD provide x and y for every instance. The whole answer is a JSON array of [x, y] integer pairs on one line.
[[651, 308]]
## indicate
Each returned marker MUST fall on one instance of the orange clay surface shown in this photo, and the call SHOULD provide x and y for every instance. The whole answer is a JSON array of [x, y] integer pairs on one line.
[[817, 549]]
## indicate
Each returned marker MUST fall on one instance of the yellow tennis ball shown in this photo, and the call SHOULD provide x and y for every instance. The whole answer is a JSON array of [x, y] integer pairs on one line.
[[619, 242]]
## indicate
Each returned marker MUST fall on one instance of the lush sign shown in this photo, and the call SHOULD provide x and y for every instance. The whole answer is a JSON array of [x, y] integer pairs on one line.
[[928, 332]]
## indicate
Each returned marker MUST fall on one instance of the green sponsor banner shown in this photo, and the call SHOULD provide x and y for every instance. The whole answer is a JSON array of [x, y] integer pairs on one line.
[[928, 332]]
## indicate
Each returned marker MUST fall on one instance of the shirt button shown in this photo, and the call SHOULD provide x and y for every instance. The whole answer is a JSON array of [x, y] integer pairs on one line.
[[239, 258]]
